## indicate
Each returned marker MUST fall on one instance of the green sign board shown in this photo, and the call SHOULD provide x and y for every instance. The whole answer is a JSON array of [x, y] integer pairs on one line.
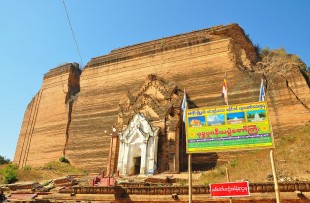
[[226, 128]]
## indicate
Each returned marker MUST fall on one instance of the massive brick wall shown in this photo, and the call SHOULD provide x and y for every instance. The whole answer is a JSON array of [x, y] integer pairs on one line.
[[43, 133], [195, 61], [197, 66]]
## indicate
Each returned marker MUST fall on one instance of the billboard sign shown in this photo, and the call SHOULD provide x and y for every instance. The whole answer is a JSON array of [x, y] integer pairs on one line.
[[231, 189], [226, 128]]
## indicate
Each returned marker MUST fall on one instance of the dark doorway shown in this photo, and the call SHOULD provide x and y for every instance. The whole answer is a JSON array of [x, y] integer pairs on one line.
[[137, 163]]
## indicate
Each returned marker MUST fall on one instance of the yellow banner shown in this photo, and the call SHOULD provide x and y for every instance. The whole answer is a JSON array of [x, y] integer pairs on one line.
[[226, 128]]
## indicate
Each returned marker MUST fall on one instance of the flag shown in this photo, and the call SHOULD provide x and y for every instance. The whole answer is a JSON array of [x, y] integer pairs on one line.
[[262, 92], [224, 91], [184, 106]]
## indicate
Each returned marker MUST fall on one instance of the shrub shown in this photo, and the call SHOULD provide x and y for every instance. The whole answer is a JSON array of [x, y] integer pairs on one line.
[[27, 168], [46, 183], [264, 52], [59, 167], [281, 52], [288, 139], [4, 160], [220, 171], [9, 173], [257, 49], [234, 163], [10, 177], [64, 160]]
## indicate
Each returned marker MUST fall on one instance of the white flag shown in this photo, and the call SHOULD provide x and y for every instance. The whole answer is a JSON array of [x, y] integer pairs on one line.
[[262, 92], [184, 106]]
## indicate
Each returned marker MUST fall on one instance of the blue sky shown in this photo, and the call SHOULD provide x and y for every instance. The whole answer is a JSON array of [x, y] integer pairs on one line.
[[36, 37]]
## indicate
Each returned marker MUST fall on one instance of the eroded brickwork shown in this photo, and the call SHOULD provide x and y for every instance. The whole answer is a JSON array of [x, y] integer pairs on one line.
[[195, 61]]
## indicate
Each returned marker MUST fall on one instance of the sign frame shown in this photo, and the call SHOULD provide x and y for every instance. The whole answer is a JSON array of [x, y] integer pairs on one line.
[[232, 187], [203, 114]]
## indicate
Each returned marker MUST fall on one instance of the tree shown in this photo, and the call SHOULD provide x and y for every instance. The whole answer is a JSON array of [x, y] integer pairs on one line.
[[4, 160]]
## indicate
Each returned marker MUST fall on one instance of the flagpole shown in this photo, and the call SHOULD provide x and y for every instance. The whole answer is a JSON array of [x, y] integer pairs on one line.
[[189, 161], [262, 96], [225, 90], [184, 107], [227, 173], [226, 87]]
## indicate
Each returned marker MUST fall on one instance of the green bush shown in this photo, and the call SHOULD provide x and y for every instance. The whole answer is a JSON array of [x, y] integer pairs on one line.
[[64, 160], [234, 163], [10, 177], [59, 167], [257, 49], [27, 168], [4, 160], [9, 173], [47, 183], [264, 52]]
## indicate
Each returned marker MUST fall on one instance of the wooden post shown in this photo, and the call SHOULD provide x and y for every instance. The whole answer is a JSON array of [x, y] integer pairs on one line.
[[275, 179], [189, 178], [228, 180]]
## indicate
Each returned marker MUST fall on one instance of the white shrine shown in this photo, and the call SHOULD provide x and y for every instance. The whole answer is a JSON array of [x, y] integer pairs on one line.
[[138, 147]]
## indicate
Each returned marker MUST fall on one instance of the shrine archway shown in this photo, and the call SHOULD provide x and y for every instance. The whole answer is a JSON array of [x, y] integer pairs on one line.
[[138, 147]]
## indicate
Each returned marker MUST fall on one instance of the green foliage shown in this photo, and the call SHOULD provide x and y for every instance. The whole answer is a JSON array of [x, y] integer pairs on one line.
[[234, 163], [289, 139], [9, 173], [64, 160], [219, 172], [27, 168], [281, 52], [306, 129], [59, 167], [257, 49], [10, 177], [46, 183], [264, 52], [248, 37], [303, 67], [4, 160], [182, 182]]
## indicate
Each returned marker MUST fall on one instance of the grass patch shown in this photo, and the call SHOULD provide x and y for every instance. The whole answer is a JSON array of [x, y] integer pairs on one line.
[[10, 173], [218, 174], [64, 160], [234, 163]]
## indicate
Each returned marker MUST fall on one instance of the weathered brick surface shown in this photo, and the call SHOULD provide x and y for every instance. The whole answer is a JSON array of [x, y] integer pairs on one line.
[[43, 133], [195, 61]]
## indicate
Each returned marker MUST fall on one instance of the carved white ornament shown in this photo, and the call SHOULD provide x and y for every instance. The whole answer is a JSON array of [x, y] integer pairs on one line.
[[138, 147]]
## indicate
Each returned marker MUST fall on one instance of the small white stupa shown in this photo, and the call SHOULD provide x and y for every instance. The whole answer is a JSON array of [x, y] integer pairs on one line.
[[257, 118]]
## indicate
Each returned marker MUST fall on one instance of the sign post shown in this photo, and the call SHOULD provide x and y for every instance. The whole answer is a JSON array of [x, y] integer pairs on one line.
[[275, 179], [189, 178], [228, 179]]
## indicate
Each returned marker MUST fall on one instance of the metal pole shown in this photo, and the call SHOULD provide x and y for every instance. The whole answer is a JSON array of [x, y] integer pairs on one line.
[[189, 178], [275, 179], [228, 180]]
